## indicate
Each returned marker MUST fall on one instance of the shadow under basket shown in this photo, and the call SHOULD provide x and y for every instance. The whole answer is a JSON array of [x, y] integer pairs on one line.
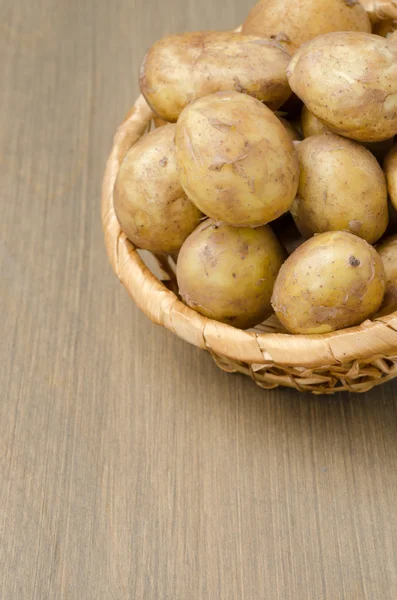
[[354, 359]]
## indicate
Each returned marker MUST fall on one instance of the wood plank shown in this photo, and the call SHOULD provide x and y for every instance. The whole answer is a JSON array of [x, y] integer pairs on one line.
[[130, 466]]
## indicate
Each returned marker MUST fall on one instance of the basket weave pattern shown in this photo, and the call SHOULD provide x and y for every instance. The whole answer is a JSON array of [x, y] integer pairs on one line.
[[354, 359]]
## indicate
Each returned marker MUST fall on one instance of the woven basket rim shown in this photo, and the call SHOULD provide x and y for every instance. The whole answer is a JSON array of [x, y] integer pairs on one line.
[[372, 338]]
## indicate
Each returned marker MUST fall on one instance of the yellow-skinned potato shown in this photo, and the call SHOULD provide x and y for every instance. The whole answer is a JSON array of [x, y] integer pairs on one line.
[[341, 188], [379, 10], [180, 68], [390, 166], [227, 273], [387, 250], [312, 126], [235, 160], [348, 80], [150, 204], [294, 22], [159, 122], [332, 281]]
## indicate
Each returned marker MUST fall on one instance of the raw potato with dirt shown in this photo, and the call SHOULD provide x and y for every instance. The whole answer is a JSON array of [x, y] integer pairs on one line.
[[379, 10], [348, 81], [294, 22], [227, 273], [387, 250], [150, 204], [341, 188], [310, 125], [390, 167], [332, 281], [235, 159], [180, 68]]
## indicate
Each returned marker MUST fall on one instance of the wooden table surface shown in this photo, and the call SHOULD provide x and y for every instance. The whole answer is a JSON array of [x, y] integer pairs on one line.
[[130, 466]]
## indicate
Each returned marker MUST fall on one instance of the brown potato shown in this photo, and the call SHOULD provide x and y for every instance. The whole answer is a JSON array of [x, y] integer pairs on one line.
[[180, 68], [150, 204], [348, 81], [390, 166], [235, 159], [387, 250], [294, 22], [332, 281], [227, 273], [341, 188], [378, 10]]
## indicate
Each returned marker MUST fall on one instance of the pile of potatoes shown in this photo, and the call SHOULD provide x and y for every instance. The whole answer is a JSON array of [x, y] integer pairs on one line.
[[271, 177]]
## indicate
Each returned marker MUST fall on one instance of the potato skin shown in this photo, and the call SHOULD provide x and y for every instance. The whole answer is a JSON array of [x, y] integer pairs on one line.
[[227, 273], [390, 167], [159, 122], [378, 10], [332, 281], [387, 250], [348, 81], [150, 204], [180, 68], [294, 22], [311, 125], [235, 159], [341, 188]]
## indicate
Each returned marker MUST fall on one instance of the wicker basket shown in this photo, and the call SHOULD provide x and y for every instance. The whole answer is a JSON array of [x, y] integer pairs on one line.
[[354, 359]]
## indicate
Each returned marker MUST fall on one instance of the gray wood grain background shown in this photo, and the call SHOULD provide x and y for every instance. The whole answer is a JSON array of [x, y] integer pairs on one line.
[[130, 466]]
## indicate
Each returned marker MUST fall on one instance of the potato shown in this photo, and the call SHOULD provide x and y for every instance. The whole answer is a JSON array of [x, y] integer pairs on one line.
[[235, 159], [227, 273], [332, 281], [293, 22], [150, 204], [292, 131], [341, 187], [312, 126], [390, 166], [159, 122], [379, 10], [181, 68], [387, 250], [385, 28], [348, 80]]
